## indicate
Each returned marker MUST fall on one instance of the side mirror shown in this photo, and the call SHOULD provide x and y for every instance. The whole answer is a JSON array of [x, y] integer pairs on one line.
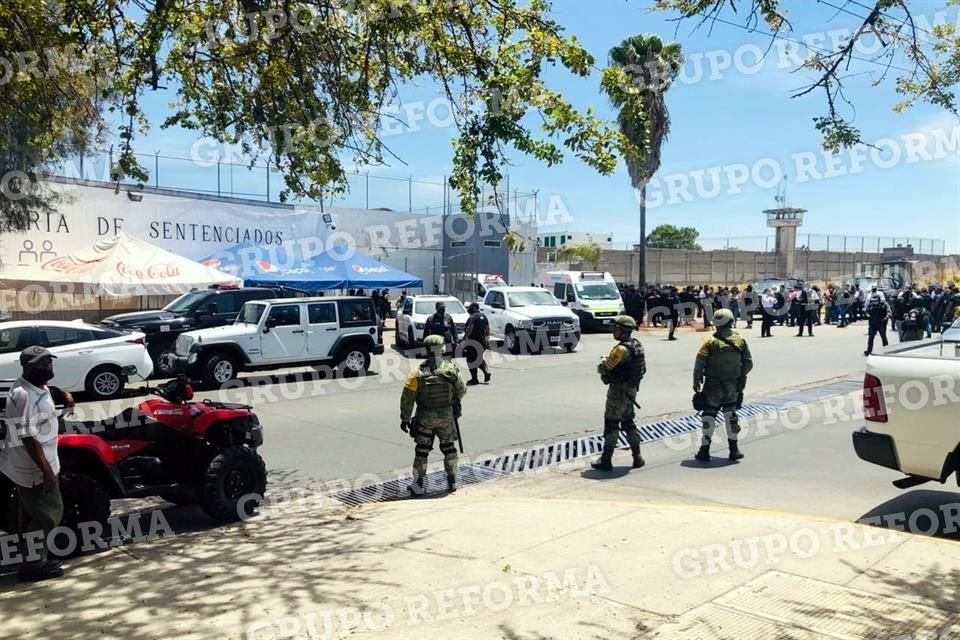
[[571, 297], [564, 303]]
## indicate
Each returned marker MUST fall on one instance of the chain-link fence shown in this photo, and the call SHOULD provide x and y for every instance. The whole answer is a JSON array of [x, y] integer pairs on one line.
[[824, 242], [262, 181]]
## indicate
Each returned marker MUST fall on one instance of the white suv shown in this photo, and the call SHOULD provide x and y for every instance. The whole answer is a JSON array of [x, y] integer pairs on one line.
[[530, 319], [285, 332], [416, 309]]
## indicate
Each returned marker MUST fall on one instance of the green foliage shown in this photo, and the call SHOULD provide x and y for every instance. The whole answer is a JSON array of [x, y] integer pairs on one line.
[[933, 59], [48, 106], [668, 236], [589, 252]]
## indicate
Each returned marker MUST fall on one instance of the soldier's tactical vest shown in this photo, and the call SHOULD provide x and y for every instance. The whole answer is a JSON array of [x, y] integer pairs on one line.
[[434, 390], [725, 362], [632, 370]]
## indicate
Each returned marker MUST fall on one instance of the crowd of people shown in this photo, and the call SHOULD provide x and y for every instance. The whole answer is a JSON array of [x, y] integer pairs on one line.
[[928, 308]]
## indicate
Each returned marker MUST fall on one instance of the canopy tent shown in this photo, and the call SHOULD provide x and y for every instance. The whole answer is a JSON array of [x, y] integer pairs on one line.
[[274, 266], [359, 270], [288, 266], [117, 266]]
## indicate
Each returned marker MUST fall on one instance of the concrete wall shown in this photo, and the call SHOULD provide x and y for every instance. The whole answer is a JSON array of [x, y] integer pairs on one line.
[[676, 266]]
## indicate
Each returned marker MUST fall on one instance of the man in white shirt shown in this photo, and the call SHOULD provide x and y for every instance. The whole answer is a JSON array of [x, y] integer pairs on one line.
[[29, 459], [767, 307]]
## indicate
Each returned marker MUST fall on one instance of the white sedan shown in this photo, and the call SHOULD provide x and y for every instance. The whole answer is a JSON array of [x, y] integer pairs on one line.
[[416, 309], [89, 357]]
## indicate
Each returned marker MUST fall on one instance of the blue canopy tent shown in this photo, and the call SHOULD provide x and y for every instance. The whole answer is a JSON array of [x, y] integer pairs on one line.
[[362, 271], [287, 266], [275, 266]]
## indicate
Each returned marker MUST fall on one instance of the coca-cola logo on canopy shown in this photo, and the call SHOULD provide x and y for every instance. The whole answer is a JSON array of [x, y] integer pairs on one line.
[[66, 264], [158, 271]]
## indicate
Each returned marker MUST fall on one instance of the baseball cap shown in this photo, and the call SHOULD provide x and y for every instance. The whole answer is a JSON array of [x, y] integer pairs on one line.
[[32, 355]]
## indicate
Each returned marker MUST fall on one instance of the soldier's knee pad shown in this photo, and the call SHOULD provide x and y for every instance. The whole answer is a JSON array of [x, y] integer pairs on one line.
[[447, 448], [423, 449]]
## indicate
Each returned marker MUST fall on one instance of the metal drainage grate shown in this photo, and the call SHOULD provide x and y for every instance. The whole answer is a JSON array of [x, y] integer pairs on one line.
[[532, 459], [435, 482]]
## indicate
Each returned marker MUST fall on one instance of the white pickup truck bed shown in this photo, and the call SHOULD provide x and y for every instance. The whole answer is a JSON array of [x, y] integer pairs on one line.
[[912, 411]]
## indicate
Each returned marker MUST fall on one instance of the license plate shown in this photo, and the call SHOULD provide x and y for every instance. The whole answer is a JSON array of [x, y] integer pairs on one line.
[[554, 338], [607, 321], [164, 328]]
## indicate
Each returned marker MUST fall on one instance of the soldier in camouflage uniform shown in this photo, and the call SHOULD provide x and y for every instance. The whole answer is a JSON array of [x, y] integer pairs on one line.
[[723, 363], [621, 370], [436, 389]]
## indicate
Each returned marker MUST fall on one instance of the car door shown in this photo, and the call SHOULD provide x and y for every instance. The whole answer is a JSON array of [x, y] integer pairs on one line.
[[404, 319], [494, 310], [76, 353], [283, 333], [322, 328], [13, 340]]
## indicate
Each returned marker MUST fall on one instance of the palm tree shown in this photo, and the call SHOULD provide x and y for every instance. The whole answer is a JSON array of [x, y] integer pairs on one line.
[[642, 69]]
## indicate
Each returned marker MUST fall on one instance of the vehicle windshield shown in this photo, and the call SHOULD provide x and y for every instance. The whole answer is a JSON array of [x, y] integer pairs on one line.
[[597, 291], [529, 298], [251, 313], [773, 285], [428, 307], [186, 302]]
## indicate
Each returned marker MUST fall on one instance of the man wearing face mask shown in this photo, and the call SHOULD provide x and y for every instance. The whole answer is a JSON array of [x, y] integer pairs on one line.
[[441, 324], [29, 459]]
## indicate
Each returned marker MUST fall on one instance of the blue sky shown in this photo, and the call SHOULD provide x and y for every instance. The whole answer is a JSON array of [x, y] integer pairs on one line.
[[738, 118]]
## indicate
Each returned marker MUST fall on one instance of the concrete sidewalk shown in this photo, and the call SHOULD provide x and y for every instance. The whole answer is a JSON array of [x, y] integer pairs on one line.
[[561, 554]]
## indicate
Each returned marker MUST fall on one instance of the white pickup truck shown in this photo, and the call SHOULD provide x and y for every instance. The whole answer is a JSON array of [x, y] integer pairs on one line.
[[530, 320], [911, 404]]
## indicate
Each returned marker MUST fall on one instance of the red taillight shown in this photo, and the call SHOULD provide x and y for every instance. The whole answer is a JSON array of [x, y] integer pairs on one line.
[[874, 408], [136, 341]]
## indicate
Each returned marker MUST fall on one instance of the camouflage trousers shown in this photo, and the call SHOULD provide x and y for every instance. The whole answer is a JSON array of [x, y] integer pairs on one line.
[[619, 415], [444, 430], [720, 395]]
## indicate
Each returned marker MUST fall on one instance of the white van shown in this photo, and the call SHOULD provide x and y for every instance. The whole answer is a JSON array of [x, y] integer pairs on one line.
[[593, 296]]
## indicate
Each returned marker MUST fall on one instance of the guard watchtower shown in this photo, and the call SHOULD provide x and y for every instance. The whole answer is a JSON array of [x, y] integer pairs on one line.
[[786, 220]]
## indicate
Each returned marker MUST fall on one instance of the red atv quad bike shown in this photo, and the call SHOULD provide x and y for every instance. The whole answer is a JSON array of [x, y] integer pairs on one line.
[[169, 446]]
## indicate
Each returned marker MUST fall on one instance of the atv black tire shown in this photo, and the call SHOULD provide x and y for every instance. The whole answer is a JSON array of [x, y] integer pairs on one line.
[[233, 484], [84, 500]]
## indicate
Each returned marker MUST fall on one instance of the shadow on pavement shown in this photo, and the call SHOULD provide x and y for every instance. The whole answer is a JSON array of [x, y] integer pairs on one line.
[[715, 463], [925, 512], [618, 472], [204, 582]]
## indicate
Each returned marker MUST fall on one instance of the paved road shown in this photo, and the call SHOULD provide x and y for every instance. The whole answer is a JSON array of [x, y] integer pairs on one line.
[[325, 430]]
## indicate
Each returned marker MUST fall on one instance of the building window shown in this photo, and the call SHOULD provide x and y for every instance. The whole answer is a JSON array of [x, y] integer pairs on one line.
[[563, 239], [492, 243], [458, 243]]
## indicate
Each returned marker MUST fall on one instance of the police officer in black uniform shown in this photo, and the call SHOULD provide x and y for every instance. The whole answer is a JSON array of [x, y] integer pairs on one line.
[[477, 340]]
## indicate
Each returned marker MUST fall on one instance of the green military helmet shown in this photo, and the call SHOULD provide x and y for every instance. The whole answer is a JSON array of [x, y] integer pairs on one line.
[[723, 317], [625, 322], [434, 341]]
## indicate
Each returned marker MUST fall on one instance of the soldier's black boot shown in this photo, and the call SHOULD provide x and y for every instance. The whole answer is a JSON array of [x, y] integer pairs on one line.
[[704, 454], [415, 488], [451, 484], [735, 453], [605, 463], [638, 460]]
